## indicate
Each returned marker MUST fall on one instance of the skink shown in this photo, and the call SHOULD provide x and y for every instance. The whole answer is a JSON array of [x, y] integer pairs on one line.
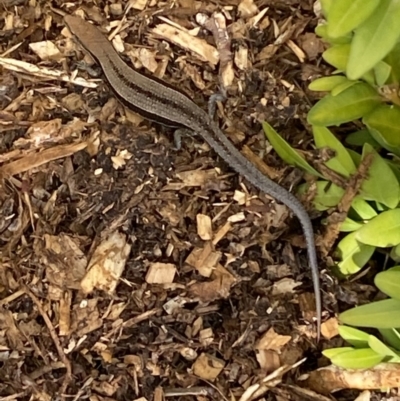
[[159, 102]]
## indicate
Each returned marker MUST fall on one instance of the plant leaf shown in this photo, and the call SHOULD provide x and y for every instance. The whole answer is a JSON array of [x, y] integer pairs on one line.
[[383, 123], [393, 59], [392, 337], [333, 352], [395, 253], [381, 185], [349, 225], [351, 104], [389, 283], [286, 152], [355, 337], [395, 168], [342, 162], [345, 15], [327, 194], [380, 315], [382, 231], [354, 254], [322, 31], [337, 55], [363, 358], [355, 156], [359, 138], [363, 208], [374, 39], [326, 5], [382, 73], [342, 87], [380, 348], [326, 84]]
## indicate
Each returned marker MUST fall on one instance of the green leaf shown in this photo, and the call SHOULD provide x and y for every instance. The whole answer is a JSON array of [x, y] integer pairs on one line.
[[355, 337], [382, 73], [351, 104], [342, 162], [380, 348], [381, 185], [333, 352], [326, 6], [326, 84], [392, 337], [363, 358], [380, 315], [359, 138], [349, 225], [286, 152], [327, 194], [395, 168], [363, 208], [322, 31], [355, 156], [389, 283], [383, 230], [345, 15], [374, 39], [395, 253], [342, 87], [354, 254], [383, 123], [393, 59], [338, 56], [369, 77]]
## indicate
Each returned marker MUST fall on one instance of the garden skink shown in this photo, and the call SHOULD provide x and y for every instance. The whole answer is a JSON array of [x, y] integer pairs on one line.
[[159, 102]]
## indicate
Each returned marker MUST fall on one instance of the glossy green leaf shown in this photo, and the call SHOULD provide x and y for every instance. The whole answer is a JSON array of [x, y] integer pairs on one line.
[[395, 253], [374, 39], [380, 315], [363, 358], [342, 162], [383, 123], [395, 268], [349, 225], [381, 185], [389, 283], [392, 337], [355, 102], [383, 230], [353, 254], [326, 84], [393, 59], [359, 138], [382, 73], [355, 156], [395, 168], [338, 56], [286, 152], [322, 31], [326, 6], [355, 337], [345, 15], [342, 87], [380, 348], [369, 77], [363, 209], [333, 352], [327, 194]]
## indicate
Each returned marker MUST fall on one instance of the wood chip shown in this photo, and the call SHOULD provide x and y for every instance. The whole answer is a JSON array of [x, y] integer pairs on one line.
[[161, 273], [107, 264]]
